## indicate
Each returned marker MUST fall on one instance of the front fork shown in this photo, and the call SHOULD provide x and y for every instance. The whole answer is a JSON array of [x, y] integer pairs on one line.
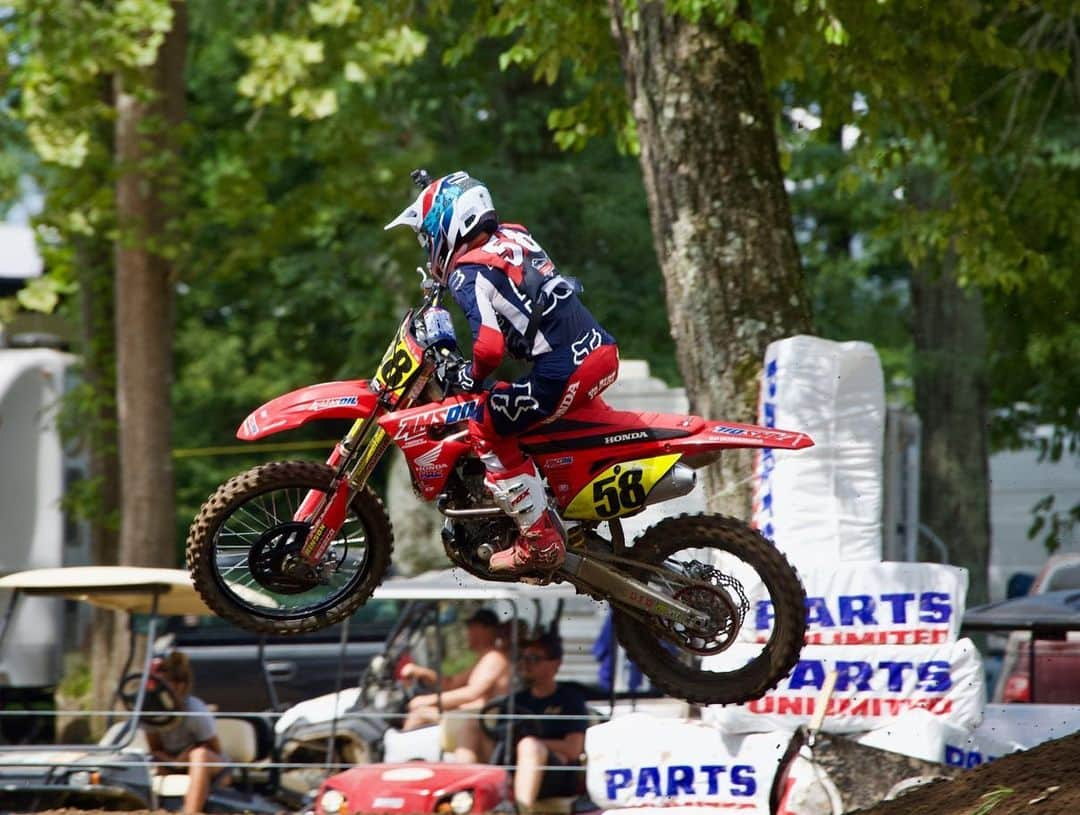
[[353, 459]]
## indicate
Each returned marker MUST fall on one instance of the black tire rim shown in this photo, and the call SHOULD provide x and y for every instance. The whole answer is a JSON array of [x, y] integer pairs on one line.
[[258, 533]]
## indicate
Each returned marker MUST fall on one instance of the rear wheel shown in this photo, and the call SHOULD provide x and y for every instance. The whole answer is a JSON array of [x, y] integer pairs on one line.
[[724, 568], [244, 538]]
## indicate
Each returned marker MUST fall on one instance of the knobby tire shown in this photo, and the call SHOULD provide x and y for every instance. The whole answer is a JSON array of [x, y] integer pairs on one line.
[[252, 483], [779, 655]]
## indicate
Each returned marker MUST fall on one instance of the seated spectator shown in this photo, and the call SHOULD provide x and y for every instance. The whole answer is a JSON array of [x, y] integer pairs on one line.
[[467, 690], [191, 745], [551, 745]]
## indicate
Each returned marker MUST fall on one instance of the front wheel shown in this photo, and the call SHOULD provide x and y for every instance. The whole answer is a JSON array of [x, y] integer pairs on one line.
[[243, 538], [720, 566]]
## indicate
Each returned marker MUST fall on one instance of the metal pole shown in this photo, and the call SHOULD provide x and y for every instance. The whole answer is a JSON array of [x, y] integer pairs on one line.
[[337, 691], [511, 753], [8, 615], [151, 633]]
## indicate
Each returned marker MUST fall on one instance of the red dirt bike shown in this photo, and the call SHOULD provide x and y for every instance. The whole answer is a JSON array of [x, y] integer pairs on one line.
[[296, 546]]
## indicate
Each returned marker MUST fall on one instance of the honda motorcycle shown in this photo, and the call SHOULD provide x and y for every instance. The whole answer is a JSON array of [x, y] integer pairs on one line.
[[296, 546]]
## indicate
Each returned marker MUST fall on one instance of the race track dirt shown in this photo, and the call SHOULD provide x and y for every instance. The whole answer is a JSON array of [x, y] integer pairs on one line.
[[1041, 781]]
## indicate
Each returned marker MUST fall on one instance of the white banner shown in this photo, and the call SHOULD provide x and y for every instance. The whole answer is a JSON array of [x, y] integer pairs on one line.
[[870, 603], [644, 761], [1008, 728], [918, 733], [823, 504], [874, 686]]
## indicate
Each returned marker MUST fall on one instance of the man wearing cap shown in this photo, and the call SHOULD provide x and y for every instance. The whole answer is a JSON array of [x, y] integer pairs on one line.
[[470, 689]]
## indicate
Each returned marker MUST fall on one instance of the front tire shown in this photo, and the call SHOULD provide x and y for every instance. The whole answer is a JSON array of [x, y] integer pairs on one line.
[[650, 646], [236, 521]]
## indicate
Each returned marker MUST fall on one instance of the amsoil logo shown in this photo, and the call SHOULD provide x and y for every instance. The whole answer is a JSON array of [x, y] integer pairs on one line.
[[620, 438]]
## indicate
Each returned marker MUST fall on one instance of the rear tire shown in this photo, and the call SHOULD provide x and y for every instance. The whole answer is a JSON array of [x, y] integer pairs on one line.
[[646, 647], [248, 487]]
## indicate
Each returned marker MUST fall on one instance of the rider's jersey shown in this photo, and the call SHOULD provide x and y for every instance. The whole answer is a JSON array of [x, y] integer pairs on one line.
[[496, 285]]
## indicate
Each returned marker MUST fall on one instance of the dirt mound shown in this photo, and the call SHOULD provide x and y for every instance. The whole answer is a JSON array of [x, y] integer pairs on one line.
[[1042, 781]]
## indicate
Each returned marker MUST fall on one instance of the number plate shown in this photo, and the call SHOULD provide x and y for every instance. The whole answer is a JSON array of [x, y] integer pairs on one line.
[[399, 362], [620, 489]]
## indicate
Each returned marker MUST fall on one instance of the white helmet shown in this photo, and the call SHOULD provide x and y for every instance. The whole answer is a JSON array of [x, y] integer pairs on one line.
[[449, 213]]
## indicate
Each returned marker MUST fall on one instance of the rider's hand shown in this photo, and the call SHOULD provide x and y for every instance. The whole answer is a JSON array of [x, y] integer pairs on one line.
[[462, 378]]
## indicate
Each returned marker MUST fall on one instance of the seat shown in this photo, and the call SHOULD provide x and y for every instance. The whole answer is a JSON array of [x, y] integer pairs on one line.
[[421, 744], [239, 739]]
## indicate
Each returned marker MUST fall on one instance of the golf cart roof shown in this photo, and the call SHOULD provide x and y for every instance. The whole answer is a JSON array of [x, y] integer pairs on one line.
[[119, 588], [456, 584], [1053, 612]]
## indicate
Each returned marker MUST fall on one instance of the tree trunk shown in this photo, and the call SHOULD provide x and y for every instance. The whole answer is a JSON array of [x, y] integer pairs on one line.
[[107, 639], [720, 215], [144, 299], [952, 398]]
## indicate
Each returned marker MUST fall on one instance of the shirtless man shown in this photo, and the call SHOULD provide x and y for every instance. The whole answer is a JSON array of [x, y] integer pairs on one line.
[[470, 689]]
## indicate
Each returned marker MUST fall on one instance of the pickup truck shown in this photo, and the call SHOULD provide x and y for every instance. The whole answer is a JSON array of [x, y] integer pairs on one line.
[[224, 658]]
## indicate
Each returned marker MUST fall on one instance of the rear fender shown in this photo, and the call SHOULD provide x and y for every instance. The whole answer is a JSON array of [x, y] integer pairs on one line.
[[349, 399], [705, 446]]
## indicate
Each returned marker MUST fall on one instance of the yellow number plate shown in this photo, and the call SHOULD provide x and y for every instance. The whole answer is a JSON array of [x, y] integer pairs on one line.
[[398, 364], [620, 489]]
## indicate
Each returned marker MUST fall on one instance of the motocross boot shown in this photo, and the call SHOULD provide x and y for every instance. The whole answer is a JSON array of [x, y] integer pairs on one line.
[[540, 546]]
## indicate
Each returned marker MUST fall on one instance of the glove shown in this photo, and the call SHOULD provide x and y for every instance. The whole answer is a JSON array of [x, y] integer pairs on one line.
[[462, 378]]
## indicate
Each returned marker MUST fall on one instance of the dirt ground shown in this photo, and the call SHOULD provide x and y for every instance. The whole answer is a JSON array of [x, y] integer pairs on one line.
[[1041, 781]]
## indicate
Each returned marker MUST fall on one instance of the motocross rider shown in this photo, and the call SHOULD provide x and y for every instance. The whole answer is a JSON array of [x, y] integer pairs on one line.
[[515, 300]]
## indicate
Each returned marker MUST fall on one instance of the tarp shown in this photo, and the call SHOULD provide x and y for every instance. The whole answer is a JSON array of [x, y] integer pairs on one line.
[[823, 504]]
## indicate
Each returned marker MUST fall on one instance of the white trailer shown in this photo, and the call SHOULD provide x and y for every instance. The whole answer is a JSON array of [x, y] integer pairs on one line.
[[35, 532]]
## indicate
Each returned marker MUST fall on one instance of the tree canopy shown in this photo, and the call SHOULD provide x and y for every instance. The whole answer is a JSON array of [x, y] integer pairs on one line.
[[303, 121]]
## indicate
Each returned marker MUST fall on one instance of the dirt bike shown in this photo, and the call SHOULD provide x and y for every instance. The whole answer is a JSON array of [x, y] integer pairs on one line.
[[295, 546]]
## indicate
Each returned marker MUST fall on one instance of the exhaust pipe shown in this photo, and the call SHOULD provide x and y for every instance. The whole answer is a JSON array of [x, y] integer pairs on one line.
[[677, 481]]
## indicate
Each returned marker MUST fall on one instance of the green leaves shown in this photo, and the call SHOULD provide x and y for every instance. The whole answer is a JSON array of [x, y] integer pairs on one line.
[[279, 63]]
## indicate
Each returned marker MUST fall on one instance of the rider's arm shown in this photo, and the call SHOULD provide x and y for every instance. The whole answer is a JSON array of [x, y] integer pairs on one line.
[[475, 293]]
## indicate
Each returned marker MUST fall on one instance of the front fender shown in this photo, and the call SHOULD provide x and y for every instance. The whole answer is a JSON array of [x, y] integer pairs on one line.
[[349, 399]]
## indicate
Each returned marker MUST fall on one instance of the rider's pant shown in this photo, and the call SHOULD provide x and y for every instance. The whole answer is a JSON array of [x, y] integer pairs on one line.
[[556, 385]]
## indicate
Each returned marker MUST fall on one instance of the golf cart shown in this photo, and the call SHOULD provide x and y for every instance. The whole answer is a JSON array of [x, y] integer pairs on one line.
[[118, 772]]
